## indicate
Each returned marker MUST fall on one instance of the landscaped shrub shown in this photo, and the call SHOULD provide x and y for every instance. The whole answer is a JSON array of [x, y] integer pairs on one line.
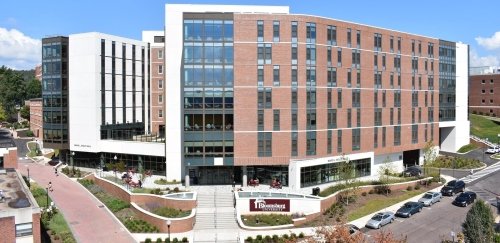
[[301, 235], [371, 191], [285, 236], [336, 210], [147, 240], [140, 226], [176, 189], [171, 212], [382, 189], [417, 187], [116, 205], [249, 239], [409, 188], [266, 219], [159, 240], [175, 240], [293, 236], [267, 238], [156, 191], [167, 240], [363, 194], [185, 239], [275, 238], [259, 237]]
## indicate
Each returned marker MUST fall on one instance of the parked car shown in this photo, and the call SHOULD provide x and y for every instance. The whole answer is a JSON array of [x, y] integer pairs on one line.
[[493, 150], [413, 171], [380, 219], [430, 198], [409, 209], [452, 187], [464, 199]]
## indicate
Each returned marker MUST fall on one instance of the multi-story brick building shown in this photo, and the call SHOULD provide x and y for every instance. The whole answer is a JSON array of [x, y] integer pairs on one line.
[[483, 94], [38, 72], [156, 39], [254, 91], [36, 119]]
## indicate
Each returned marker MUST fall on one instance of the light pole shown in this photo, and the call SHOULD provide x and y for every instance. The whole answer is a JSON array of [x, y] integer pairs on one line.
[[168, 227], [114, 167], [29, 180], [484, 148], [49, 188], [72, 162]]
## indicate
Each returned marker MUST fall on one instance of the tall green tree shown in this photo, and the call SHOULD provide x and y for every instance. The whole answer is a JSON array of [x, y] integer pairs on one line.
[[15, 88], [478, 225], [3, 115], [25, 112]]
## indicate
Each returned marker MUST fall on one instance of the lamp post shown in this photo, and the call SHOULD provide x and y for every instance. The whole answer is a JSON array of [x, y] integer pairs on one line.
[[29, 180], [114, 167], [168, 227], [484, 148], [72, 162], [49, 188]]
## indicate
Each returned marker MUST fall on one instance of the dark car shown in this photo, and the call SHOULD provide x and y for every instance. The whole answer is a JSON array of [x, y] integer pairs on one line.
[[413, 171], [453, 187], [409, 208], [464, 199]]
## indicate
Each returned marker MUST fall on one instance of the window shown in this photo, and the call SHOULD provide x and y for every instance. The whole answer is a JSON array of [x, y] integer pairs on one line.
[[276, 120], [160, 84], [329, 142], [384, 103], [295, 136], [397, 63], [358, 117], [375, 61], [339, 57], [349, 118], [397, 98], [268, 98], [160, 69], [160, 54], [483, 91], [329, 98], [260, 30], [377, 42], [391, 44], [160, 113], [311, 76], [311, 54], [276, 31], [399, 45], [260, 76], [399, 80], [420, 82], [397, 135], [425, 134], [377, 77], [491, 91], [339, 98], [24, 229], [311, 119], [375, 98], [399, 116], [414, 64], [331, 35], [264, 53], [294, 31], [260, 120], [414, 98], [383, 61], [413, 47], [430, 114], [265, 144], [483, 81], [430, 50], [294, 53], [483, 101], [491, 81], [426, 98], [294, 76], [339, 141], [348, 37], [419, 114], [491, 101], [311, 143], [378, 116], [432, 133], [276, 75], [356, 58], [349, 76], [310, 32], [356, 98], [391, 80], [160, 99], [294, 119], [430, 81], [332, 77], [375, 137], [332, 118], [414, 134], [329, 55], [294, 97], [419, 48], [383, 136], [356, 139], [413, 115], [358, 38], [391, 116]]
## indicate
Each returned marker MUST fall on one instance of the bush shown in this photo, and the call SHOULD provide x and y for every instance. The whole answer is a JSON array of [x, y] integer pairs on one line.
[[185, 239], [275, 238], [176, 189], [167, 240], [156, 191], [363, 194], [147, 240], [417, 187], [409, 188], [285, 236], [301, 235], [371, 191], [116, 205], [383, 189], [171, 212], [293, 236], [86, 183], [159, 240], [259, 237], [175, 240], [249, 239], [267, 238]]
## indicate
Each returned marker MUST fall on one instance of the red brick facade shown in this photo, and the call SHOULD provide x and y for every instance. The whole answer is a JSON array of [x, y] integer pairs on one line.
[[245, 69], [10, 158], [36, 119], [483, 95], [157, 88], [8, 229]]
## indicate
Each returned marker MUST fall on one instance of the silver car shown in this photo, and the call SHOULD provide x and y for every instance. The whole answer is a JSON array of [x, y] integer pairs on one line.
[[380, 219], [430, 198]]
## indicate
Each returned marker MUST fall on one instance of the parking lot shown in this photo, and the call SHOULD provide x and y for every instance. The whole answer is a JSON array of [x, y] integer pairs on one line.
[[431, 225]]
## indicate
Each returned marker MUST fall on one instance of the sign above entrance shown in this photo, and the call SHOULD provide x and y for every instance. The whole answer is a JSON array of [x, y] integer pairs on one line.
[[269, 205]]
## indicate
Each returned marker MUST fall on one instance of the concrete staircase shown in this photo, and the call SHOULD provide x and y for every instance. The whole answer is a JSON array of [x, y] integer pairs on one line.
[[215, 210]]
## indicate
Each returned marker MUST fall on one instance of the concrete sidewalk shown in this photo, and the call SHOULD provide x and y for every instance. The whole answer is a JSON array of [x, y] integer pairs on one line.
[[87, 218]]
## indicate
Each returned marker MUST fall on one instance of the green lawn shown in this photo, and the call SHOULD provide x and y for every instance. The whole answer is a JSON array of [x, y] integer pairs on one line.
[[484, 128], [32, 146], [378, 204]]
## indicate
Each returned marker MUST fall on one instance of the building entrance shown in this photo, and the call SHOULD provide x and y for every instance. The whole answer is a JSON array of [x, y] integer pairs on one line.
[[410, 157], [218, 175]]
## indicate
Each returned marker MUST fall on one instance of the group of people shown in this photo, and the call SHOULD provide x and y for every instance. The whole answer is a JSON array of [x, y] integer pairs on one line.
[[275, 183], [131, 178]]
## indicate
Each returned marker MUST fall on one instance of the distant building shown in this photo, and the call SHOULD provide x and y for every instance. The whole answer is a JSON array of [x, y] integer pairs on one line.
[[8, 150], [38, 72], [36, 119], [19, 212], [484, 93], [484, 70]]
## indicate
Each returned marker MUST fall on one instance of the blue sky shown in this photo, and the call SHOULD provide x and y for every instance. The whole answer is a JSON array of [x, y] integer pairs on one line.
[[24, 23]]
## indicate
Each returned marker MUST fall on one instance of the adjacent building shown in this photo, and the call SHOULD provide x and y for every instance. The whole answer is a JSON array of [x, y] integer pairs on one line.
[[38, 72], [19, 212], [36, 117], [254, 91], [483, 94]]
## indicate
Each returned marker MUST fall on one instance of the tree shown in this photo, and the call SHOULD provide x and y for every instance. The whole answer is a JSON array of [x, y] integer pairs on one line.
[[388, 237], [429, 153], [384, 172], [340, 232], [33, 89], [478, 225], [3, 114], [347, 173], [25, 112]]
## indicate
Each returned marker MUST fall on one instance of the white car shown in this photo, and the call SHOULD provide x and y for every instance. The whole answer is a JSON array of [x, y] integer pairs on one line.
[[493, 150]]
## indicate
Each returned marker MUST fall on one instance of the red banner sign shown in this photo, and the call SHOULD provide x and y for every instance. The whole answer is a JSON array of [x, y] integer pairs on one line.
[[269, 205]]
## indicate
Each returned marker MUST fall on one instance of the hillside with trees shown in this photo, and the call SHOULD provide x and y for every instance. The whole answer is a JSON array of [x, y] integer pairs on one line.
[[15, 88]]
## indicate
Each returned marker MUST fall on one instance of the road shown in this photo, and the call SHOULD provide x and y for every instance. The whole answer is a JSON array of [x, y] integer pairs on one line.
[[433, 224]]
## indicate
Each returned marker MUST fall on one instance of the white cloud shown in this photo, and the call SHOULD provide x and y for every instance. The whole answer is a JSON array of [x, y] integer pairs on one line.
[[490, 43], [482, 61], [19, 51]]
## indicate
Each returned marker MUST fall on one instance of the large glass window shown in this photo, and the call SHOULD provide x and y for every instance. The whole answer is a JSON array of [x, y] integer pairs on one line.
[[327, 173]]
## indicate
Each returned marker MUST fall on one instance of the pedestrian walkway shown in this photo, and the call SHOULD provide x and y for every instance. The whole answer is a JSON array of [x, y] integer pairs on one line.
[[484, 172], [88, 219]]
